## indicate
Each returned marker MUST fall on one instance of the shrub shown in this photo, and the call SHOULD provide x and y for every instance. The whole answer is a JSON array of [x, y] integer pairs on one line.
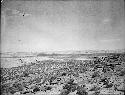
[[64, 92], [18, 86], [67, 86], [81, 90], [36, 89], [13, 90]]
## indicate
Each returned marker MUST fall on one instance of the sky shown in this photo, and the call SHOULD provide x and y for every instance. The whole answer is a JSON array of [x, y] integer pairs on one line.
[[36, 26]]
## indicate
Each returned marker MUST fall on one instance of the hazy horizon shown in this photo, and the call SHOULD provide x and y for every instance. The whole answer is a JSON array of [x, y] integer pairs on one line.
[[38, 26]]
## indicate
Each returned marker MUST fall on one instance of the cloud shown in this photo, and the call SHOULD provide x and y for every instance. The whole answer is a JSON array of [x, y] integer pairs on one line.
[[14, 12], [1, 1], [106, 20], [110, 40]]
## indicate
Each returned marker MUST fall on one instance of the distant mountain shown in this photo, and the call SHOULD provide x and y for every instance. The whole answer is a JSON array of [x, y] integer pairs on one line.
[[54, 53], [17, 54], [81, 52]]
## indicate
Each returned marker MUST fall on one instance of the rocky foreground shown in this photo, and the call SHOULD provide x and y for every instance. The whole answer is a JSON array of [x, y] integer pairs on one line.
[[102, 75]]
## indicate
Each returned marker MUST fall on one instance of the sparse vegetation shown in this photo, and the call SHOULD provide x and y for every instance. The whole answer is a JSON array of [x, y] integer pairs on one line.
[[66, 76]]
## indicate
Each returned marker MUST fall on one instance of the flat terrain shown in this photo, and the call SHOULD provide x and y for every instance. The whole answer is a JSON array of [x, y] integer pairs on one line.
[[63, 74]]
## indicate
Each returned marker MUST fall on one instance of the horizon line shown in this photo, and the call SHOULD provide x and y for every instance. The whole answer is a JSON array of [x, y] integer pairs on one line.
[[87, 50]]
